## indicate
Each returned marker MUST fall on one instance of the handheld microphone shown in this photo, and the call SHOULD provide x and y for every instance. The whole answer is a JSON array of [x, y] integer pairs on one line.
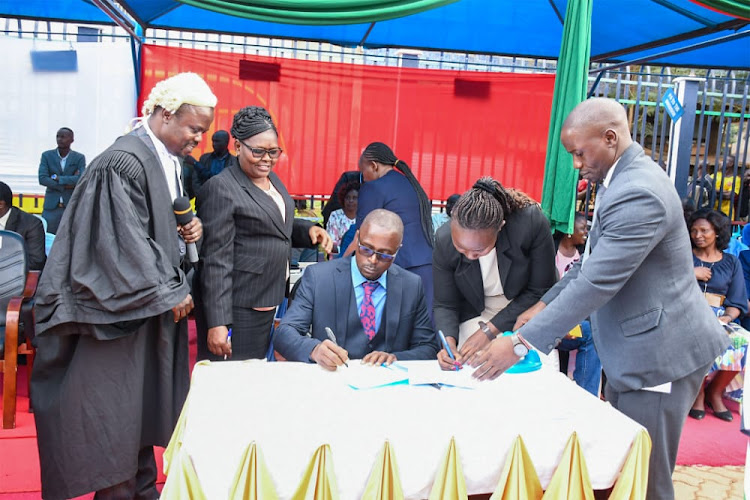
[[183, 212]]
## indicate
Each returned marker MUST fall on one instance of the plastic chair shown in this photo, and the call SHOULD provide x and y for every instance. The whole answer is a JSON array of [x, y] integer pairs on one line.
[[17, 289], [49, 238]]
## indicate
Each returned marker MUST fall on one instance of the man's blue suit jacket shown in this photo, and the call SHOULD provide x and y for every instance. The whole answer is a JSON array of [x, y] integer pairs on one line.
[[326, 298]]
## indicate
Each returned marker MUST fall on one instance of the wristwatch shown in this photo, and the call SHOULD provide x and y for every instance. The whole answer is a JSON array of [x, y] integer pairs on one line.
[[520, 348], [486, 329]]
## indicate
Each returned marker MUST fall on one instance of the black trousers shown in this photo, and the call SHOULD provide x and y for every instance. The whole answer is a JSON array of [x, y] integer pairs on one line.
[[140, 487]]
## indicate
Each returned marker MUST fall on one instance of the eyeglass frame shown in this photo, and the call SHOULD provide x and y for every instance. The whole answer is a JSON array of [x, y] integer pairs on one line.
[[368, 252], [265, 151]]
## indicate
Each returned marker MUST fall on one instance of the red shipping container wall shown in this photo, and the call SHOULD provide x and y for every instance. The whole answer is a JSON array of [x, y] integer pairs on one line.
[[451, 127]]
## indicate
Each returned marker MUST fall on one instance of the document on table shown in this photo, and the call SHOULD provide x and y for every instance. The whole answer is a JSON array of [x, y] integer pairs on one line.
[[429, 372], [359, 376]]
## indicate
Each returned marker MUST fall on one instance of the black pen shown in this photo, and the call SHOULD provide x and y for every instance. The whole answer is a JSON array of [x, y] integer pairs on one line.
[[332, 338]]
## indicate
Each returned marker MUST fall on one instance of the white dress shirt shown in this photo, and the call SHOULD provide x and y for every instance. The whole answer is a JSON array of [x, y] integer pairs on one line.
[[170, 164]]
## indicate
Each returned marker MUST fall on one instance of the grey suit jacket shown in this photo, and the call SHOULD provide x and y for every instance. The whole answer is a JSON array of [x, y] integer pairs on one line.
[[49, 164], [246, 244], [326, 298], [650, 322]]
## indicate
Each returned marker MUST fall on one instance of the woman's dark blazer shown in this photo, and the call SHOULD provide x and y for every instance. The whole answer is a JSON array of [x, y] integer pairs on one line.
[[246, 244], [394, 192], [526, 261]]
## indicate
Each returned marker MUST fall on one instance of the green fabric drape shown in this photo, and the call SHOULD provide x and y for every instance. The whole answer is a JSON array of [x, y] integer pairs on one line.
[[734, 8], [318, 12], [560, 178]]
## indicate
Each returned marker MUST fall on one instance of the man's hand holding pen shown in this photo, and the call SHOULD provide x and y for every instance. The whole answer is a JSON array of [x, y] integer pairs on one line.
[[329, 355]]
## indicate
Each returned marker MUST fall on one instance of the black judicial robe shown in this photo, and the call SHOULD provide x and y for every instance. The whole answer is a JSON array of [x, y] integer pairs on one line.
[[111, 373]]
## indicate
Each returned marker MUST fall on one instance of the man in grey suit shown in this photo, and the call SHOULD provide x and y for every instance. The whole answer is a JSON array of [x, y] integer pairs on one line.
[[59, 171], [338, 295], [653, 330]]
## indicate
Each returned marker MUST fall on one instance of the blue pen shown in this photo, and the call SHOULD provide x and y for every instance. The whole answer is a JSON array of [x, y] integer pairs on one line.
[[229, 341], [447, 347]]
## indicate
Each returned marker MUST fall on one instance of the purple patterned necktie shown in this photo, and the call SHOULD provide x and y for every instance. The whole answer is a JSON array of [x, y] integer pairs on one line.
[[367, 311]]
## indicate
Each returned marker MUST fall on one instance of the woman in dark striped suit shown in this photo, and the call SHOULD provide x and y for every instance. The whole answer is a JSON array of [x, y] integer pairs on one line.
[[249, 230]]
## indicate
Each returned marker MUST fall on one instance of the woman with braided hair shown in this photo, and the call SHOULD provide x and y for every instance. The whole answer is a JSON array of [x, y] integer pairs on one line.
[[493, 260], [249, 231], [390, 184]]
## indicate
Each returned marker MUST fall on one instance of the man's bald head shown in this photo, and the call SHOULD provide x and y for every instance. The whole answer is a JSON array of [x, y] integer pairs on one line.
[[596, 133], [383, 221], [599, 113], [379, 239]]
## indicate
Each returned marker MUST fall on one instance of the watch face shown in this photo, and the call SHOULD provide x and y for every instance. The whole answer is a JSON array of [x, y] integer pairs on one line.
[[520, 350]]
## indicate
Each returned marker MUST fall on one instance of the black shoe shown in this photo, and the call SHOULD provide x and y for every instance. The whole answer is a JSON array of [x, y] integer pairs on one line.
[[696, 414], [725, 415]]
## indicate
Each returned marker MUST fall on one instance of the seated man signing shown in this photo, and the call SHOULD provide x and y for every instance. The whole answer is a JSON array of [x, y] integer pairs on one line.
[[376, 309]]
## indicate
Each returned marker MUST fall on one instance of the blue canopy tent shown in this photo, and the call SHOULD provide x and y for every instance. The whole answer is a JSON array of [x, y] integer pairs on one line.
[[532, 28], [669, 32]]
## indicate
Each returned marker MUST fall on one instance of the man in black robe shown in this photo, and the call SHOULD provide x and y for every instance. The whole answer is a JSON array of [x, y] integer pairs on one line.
[[111, 373]]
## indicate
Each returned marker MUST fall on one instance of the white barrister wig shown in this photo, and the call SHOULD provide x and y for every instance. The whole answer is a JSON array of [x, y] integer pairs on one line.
[[182, 88]]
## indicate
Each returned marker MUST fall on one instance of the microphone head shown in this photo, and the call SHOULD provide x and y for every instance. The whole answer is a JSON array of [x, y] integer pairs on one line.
[[183, 212]]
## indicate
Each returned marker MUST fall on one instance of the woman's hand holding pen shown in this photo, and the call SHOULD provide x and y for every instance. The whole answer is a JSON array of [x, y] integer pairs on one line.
[[446, 362], [217, 341], [329, 355]]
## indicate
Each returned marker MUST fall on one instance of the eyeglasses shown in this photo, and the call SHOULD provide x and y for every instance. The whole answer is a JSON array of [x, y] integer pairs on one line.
[[273, 153], [369, 252]]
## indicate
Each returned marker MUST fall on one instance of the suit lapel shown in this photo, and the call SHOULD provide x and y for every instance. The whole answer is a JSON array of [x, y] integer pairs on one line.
[[56, 162], [625, 162], [469, 281], [343, 296], [264, 201], [503, 261], [70, 163], [288, 203], [12, 224], [392, 306]]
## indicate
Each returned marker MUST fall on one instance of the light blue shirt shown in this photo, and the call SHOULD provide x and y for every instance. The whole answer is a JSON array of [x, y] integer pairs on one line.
[[378, 295]]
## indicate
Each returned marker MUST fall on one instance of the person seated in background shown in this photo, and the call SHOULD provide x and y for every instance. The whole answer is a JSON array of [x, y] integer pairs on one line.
[[210, 164], [719, 276], [29, 227], [441, 218], [728, 186], [588, 369], [301, 210], [491, 262], [701, 189], [342, 219], [376, 309], [304, 254], [334, 203]]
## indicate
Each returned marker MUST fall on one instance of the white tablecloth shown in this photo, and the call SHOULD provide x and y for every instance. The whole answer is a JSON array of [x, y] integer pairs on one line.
[[290, 409]]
